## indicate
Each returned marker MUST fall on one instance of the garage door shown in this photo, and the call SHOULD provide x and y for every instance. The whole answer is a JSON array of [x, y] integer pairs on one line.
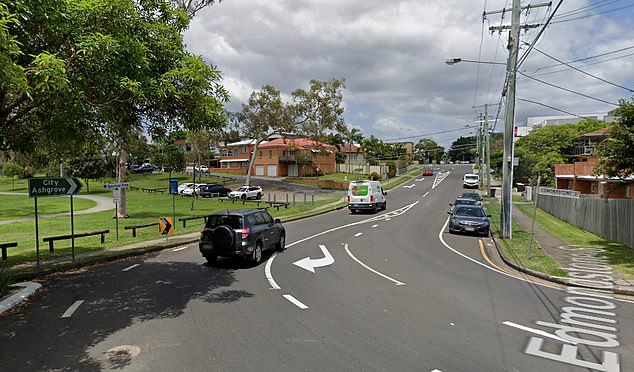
[[292, 170], [259, 170], [272, 171]]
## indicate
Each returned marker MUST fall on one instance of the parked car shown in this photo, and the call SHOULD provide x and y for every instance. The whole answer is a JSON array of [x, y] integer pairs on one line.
[[192, 189], [428, 172], [241, 233], [202, 168], [471, 181], [183, 186], [472, 195], [247, 192], [145, 168], [463, 201], [469, 219], [213, 189]]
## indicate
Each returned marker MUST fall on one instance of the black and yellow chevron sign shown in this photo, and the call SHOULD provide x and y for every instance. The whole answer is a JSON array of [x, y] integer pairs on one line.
[[165, 226]]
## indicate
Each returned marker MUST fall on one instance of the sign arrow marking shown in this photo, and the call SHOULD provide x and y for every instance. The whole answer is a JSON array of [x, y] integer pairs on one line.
[[310, 264]]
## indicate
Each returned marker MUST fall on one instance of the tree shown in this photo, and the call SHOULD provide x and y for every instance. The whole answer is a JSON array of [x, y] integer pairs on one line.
[[428, 151], [13, 170], [168, 157], [319, 109], [88, 164], [191, 7], [462, 149], [616, 153], [263, 114], [352, 136]]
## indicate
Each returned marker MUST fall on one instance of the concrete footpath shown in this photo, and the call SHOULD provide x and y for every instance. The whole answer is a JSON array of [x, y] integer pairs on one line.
[[583, 264]]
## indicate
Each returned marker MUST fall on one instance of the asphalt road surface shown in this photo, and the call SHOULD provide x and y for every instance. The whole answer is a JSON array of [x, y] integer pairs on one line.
[[353, 292]]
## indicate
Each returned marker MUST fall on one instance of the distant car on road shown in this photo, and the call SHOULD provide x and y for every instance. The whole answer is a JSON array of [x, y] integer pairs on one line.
[[469, 219], [471, 195], [213, 189], [247, 192], [471, 181], [428, 172], [241, 233], [145, 168]]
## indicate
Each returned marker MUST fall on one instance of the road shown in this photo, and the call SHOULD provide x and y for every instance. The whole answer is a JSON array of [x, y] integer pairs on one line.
[[391, 291]]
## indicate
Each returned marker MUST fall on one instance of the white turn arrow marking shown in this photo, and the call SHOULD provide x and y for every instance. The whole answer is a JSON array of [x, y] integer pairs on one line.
[[310, 264], [409, 186]]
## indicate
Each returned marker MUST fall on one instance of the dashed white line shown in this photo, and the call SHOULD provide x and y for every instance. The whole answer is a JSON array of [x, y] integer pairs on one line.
[[72, 309], [371, 269], [358, 234], [295, 301], [179, 249], [375, 225], [427, 193], [131, 267]]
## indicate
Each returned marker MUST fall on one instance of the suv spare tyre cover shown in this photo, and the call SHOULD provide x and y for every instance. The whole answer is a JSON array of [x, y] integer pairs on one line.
[[223, 238]]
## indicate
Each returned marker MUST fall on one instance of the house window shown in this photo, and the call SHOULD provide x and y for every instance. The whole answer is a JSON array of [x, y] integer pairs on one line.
[[261, 153], [628, 192], [593, 188], [244, 149], [270, 154], [224, 152]]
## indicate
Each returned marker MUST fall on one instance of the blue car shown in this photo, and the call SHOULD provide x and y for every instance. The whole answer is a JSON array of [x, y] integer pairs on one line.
[[469, 219]]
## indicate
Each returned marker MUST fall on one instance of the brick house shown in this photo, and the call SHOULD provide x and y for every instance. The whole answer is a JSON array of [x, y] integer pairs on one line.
[[234, 157], [580, 175]]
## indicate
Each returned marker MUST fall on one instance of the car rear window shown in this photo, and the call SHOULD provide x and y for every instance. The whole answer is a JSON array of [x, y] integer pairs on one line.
[[235, 222], [469, 212], [359, 190]]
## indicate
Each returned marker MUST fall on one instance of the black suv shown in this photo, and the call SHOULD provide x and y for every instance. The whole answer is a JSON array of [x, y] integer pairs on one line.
[[212, 189], [241, 233]]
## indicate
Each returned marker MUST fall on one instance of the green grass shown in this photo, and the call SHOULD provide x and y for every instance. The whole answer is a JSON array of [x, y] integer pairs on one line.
[[516, 249], [21, 206], [619, 256]]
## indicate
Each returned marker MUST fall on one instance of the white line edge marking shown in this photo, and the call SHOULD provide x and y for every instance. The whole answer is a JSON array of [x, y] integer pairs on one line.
[[358, 234], [131, 267], [179, 249], [267, 272], [375, 225], [537, 331], [72, 309], [295, 301], [369, 268], [267, 268]]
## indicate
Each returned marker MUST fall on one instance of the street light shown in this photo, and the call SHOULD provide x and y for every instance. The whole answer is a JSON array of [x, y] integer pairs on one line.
[[453, 61]]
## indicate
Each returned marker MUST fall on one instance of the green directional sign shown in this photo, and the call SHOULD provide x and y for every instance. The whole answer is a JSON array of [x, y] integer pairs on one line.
[[53, 186]]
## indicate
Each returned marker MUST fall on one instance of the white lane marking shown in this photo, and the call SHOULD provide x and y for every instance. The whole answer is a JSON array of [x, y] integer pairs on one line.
[[179, 249], [309, 264], [267, 272], [388, 219], [410, 186], [397, 212], [375, 225], [72, 309], [358, 234], [131, 267], [536, 331], [427, 193], [369, 268], [295, 301], [439, 178], [419, 179]]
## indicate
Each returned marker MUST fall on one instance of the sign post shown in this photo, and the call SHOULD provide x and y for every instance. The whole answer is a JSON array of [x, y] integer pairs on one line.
[[54, 186], [173, 187], [116, 199]]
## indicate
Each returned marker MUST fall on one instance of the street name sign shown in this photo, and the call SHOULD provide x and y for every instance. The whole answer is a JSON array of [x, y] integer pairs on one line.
[[122, 185], [53, 186]]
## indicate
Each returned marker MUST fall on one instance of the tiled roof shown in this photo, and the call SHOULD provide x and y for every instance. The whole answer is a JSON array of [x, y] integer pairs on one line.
[[294, 142], [598, 132]]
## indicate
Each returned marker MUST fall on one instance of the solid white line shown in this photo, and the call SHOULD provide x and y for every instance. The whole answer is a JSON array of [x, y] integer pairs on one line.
[[295, 301], [179, 249], [358, 234], [267, 272], [72, 309], [131, 267], [537, 331], [371, 269], [427, 193], [375, 225]]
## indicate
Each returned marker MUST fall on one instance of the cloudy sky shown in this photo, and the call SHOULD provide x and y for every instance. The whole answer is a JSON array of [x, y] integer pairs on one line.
[[392, 56]]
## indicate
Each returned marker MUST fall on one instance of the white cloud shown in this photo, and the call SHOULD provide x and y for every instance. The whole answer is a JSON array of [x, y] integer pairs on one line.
[[392, 56]]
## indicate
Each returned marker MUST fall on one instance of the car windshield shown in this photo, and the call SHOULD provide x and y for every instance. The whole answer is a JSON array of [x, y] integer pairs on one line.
[[235, 222], [471, 178], [469, 212], [243, 188]]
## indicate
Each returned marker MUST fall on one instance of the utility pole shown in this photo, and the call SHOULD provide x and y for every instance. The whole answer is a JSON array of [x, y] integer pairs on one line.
[[488, 148], [509, 114]]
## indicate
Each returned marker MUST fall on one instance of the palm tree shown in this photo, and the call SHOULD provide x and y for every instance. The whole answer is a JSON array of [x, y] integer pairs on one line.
[[353, 135]]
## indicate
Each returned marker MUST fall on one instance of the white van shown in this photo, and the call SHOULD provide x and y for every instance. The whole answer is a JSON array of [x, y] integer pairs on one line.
[[471, 181], [366, 195]]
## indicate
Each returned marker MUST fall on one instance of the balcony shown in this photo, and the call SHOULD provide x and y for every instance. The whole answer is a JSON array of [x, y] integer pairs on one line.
[[585, 168], [296, 159]]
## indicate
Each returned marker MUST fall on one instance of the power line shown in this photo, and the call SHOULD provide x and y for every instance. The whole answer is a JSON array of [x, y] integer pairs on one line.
[[427, 134], [551, 107], [567, 90], [584, 72], [591, 57], [539, 34], [595, 14]]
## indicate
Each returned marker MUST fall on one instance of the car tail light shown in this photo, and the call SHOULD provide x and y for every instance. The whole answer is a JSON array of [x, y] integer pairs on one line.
[[245, 233], [371, 198], [348, 198]]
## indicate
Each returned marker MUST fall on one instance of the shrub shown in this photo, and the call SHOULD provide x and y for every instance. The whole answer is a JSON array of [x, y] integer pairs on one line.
[[374, 176]]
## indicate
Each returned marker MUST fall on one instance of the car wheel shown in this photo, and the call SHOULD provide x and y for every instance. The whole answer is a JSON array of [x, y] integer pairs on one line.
[[256, 256], [353, 211], [282, 243], [243, 196], [211, 259], [384, 205], [375, 209], [258, 196]]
